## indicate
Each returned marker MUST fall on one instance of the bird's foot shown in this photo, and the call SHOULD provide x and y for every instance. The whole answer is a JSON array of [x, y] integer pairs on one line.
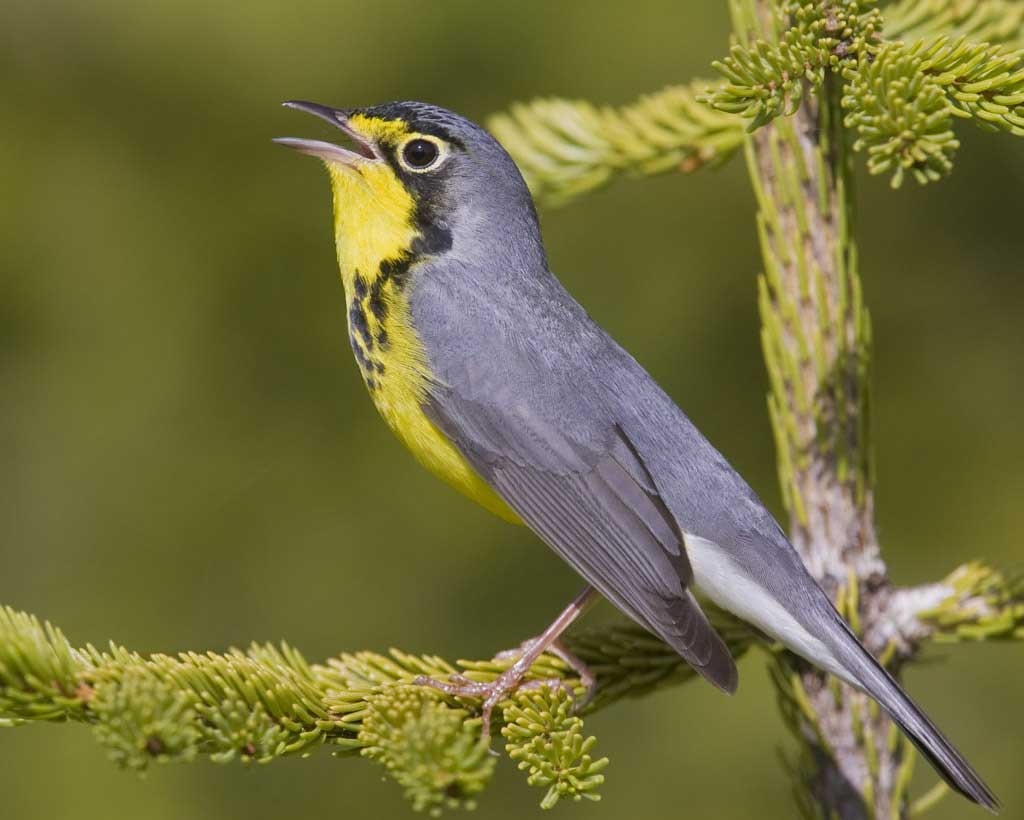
[[559, 650], [512, 678], [493, 692]]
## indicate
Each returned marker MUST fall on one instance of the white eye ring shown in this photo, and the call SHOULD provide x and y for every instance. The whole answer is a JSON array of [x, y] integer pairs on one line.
[[414, 154]]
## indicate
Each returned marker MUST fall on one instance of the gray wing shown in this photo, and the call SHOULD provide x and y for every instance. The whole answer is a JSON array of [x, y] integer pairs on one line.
[[596, 505]]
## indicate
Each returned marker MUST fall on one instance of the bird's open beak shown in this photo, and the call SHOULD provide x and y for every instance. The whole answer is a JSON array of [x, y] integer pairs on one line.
[[364, 151]]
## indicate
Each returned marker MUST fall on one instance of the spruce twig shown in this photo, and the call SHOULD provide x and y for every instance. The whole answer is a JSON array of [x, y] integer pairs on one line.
[[997, 22], [568, 147], [902, 95], [268, 702]]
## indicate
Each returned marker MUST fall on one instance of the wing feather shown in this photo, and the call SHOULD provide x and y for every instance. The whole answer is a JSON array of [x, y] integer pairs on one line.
[[597, 506]]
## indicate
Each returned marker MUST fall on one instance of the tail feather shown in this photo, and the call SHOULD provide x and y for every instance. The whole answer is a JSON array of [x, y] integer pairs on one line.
[[876, 681]]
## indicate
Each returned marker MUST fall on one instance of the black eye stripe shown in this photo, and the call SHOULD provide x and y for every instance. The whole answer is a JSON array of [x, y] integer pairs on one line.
[[420, 153]]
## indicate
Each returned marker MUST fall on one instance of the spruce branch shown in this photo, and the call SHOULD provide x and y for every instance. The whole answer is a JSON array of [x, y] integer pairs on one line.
[[565, 148], [983, 82], [268, 702], [997, 22], [426, 747], [852, 762], [902, 117], [901, 96], [545, 737], [769, 77], [902, 103], [38, 672], [816, 335], [984, 604]]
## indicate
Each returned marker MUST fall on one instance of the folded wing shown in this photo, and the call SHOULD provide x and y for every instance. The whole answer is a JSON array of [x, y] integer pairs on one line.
[[592, 500]]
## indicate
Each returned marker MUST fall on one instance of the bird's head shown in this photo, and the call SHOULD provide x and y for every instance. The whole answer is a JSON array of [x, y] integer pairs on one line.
[[422, 182]]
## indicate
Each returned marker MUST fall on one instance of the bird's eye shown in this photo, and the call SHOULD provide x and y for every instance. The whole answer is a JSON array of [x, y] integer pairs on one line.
[[420, 154]]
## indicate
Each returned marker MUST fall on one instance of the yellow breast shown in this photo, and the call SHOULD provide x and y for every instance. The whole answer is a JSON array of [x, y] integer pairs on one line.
[[374, 234]]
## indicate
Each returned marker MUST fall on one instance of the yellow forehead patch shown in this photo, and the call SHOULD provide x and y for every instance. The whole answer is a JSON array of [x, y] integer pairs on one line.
[[377, 129]]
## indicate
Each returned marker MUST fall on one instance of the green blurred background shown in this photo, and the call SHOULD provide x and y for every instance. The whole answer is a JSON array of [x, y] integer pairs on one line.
[[189, 460]]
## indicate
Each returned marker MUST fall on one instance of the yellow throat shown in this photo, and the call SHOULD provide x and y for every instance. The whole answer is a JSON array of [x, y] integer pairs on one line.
[[374, 231]]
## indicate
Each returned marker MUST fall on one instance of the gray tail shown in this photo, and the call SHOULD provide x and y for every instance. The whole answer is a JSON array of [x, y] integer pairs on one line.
[[934, 745]]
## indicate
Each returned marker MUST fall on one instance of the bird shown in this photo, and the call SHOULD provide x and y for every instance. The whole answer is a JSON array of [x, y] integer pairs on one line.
[[501, 384]]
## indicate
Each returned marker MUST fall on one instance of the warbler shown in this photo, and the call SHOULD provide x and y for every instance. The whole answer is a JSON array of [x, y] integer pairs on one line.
[[501, 384]]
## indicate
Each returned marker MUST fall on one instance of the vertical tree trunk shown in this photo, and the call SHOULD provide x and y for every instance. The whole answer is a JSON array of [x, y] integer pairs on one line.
[[816, 336]]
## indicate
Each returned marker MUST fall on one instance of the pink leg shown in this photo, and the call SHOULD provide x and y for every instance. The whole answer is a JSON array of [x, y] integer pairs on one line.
[[497, 690]]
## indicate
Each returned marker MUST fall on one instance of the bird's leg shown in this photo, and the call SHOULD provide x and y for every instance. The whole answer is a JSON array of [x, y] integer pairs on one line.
[[496, 691]]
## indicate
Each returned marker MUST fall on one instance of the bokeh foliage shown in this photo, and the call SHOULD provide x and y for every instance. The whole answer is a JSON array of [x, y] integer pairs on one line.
[[190, 461]]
